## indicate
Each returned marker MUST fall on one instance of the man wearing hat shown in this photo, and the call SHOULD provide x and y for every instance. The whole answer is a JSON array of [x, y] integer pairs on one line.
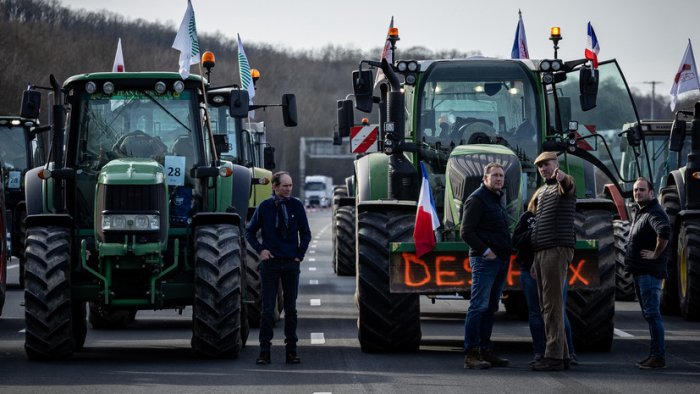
[[553, 240]]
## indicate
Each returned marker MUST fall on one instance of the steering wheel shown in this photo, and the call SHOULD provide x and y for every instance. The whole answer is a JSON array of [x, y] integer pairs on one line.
[[479, 132], [139, 144]]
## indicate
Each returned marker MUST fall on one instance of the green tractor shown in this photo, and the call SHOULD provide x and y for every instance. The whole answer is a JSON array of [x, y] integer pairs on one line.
[[134, 210], [455, 116], [22, 146], [4, 249], [247, 146]]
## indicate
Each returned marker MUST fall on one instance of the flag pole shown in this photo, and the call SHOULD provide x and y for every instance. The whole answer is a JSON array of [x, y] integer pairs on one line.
[[206, 112]]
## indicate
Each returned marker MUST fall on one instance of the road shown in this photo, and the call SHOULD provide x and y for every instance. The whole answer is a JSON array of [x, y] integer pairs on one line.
[[153, 355]]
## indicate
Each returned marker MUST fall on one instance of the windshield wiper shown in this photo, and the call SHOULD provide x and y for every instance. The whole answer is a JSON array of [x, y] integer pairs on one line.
[[166, 111]]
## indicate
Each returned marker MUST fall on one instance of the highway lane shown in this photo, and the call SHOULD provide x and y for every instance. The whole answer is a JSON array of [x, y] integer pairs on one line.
[[153, 354]]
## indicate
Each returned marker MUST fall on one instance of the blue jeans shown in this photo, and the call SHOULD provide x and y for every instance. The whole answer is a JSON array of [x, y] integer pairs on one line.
[[488, 279], [648, 289], [271, 273], [534, 315]]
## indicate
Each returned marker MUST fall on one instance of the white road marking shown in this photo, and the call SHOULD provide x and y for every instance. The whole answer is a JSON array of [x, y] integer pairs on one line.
[[9, 267], [312, 268], [312, 259], [622, 334], [313, 281], [22, 331], [315, 302], [312, 251], [317, 338]]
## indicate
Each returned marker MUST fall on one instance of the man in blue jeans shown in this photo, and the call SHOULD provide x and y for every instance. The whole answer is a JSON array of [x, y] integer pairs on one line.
[[484, 228], [650, 226], [285, 238]]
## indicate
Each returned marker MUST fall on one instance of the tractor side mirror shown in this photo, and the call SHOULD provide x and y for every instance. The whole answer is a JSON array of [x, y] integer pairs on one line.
[[289, 110], [362, 85], [31, 104], [221, 143], [269, 154], [588, 87], [346, 117], [677, 137], [239, 106]]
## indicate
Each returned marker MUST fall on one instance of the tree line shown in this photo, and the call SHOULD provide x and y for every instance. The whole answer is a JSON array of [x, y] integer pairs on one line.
[[42, 37]]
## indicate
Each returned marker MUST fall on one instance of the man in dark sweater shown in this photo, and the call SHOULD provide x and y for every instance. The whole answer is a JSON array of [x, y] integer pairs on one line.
[[553, 240], [285, 238], [648, 267], [485, 229]]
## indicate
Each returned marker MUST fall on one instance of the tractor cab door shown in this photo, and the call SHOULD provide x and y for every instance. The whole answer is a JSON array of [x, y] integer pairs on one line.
[[607, 137]]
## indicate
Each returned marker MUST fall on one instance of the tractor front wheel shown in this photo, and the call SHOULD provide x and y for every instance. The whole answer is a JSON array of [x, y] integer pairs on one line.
[[689, 269], [624, 284], [344, 246]]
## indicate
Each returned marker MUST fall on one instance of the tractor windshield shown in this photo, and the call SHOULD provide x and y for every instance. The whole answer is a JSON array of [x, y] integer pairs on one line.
[[13, 151], [136, 124], [600, 130], [479, 101]]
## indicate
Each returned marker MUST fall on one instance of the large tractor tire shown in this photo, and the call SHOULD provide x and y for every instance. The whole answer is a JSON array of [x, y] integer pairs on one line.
[[50, 332], [670, 303], [338, 191], [344, 248], [591, 310], [107, 318], [19, 240], [387, 322], [689, 269], [624, 283], [216, 313]]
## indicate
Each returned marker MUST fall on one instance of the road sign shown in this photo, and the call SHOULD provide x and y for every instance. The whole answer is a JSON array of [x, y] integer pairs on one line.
[[364, 139]]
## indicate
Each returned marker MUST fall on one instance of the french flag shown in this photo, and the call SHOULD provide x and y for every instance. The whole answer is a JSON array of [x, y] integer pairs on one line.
[[426, 218], [592, 46]]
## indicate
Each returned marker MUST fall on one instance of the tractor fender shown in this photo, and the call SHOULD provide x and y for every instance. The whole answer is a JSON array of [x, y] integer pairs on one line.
[[50, 219], [676, 179], [209, 218], [240, 195], [596, 203], [371, 177], [386, 205], [350, 185], [33, 195]]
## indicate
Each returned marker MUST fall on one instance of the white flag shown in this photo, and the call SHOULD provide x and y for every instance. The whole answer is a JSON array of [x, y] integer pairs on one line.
[[386, 54], [186, 42], [244, 70], [686, 78], [118, 66]]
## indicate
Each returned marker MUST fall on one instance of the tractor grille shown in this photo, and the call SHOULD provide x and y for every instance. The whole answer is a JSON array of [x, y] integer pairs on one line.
[[131, 199], [467, 172]]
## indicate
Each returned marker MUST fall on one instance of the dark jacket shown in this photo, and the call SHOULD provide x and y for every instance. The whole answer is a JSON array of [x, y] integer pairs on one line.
[[556, 207], [650, 222], [284, 239], [485, 224], [522, 242]]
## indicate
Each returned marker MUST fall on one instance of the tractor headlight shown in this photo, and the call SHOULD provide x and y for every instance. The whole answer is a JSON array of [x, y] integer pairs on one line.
[[133, 222]]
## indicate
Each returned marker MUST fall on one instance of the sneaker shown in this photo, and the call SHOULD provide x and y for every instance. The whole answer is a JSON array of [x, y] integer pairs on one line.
[[473, 360], [639, 363], [548, 364], [263, 358], [653, 363], [490, 356]]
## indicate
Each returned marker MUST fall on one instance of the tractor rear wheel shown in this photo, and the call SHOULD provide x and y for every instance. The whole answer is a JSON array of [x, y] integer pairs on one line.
[[338, 191], [624, 283], [670, 303], [19, 239], [689, 269], [387, 322], [216, 313], [47, 295], [344, 249], [591, 310]]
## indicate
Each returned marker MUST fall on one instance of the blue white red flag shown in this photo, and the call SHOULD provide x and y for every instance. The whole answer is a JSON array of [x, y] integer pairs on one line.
[[686, 78], [426, 218], [386, 54], [592, 46], [520, 50]]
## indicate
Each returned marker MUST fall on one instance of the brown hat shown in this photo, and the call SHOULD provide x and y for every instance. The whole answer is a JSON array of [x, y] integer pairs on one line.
[[545, 156]]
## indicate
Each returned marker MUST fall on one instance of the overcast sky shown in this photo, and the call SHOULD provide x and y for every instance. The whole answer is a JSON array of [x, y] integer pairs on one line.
[[648, 37]]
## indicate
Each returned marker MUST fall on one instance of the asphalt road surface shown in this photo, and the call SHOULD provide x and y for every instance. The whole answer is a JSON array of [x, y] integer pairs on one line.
[[153, 355]]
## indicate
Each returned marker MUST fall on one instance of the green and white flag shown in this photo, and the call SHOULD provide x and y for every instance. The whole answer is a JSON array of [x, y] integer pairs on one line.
[[186, 42], [244, 70]]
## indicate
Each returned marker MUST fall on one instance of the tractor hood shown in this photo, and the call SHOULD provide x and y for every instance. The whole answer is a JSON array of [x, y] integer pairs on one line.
[[132, 172]]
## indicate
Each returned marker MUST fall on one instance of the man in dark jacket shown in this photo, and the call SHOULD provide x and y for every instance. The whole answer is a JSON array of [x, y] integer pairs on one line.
[[553, 240], [285, 238], [485, 229], [650, 226]]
